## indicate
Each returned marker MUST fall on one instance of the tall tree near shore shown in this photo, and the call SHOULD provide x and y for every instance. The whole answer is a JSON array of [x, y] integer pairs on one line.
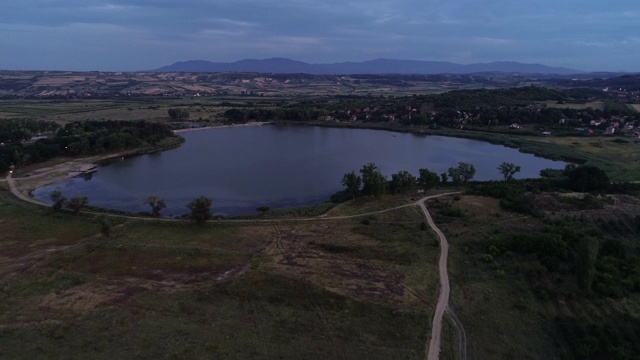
[[200, 210], [402, 181], [427, 179], [467, 171], [508, 170], [77, 203], [462, 173], [156, 203], [58, 200], [352, 182], [373, 182]]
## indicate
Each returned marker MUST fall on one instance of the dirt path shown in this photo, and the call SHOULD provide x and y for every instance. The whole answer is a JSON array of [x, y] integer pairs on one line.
[[14, 190], [433, 351]]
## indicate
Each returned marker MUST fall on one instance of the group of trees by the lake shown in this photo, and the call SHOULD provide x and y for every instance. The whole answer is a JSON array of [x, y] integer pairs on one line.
[[199, 209], [18, 130], [74, 204], [74, 139], [371, 182]]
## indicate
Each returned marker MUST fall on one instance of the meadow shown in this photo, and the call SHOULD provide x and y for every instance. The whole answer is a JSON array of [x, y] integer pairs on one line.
[[329, 288]]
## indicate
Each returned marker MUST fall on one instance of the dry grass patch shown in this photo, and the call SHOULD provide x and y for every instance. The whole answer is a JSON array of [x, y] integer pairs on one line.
[[152, 264], [383, 258], [232, 238]]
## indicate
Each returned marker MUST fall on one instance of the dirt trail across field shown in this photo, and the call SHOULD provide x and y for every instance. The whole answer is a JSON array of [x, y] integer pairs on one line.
[[433, 350]]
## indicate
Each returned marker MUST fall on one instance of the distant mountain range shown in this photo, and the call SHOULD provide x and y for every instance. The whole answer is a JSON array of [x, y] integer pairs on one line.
[[378, 66]]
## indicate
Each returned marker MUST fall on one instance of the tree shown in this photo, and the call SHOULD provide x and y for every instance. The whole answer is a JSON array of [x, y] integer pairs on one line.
[[373, 182], [235, 116], [427, 179], [76, 203], [461, 174], [352, 182], [454, 174], [444, 178], [156, 204], [467, 171], [176, 113], [58, 200], [402, 181], [586, 178], [508, 170], [200, 210]]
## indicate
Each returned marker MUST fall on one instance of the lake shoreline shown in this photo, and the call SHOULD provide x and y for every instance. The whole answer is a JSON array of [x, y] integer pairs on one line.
[[257, 123], [249, 166]]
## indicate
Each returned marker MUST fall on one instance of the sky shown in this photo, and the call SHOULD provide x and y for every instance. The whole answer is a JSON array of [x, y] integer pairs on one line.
[[132, 35]]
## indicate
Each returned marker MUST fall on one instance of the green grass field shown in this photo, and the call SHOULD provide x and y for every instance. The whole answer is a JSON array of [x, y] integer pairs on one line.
[[325, 289], [502, 300]]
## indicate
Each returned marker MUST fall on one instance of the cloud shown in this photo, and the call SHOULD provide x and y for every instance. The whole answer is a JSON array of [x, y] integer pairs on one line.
[[489, 41], [232, 22], [328, 30], [610, 44]]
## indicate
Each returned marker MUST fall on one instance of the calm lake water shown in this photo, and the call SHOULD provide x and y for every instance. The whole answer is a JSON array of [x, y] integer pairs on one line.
[[281, 166]]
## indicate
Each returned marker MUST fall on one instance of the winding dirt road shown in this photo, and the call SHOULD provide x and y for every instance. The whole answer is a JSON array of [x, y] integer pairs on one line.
[[14, 190], [433, 351]]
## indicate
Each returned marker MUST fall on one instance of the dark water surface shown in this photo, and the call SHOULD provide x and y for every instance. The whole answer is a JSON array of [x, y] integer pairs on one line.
[[245, 167]]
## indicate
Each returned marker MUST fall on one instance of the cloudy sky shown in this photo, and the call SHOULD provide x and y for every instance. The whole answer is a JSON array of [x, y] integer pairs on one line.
[[129, 35]]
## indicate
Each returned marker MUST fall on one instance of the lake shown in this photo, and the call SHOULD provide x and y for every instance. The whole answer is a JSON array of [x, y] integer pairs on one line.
[[242, 168]]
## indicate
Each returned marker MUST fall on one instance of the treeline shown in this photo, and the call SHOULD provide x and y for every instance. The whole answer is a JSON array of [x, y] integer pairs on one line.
[[468, 108], [199, 208], [17, 130], [296, 113], [519, 196], [371, 182], [83, 139]]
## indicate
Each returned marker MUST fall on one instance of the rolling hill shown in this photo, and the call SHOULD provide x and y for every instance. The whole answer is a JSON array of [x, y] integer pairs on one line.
[[378, 66]]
